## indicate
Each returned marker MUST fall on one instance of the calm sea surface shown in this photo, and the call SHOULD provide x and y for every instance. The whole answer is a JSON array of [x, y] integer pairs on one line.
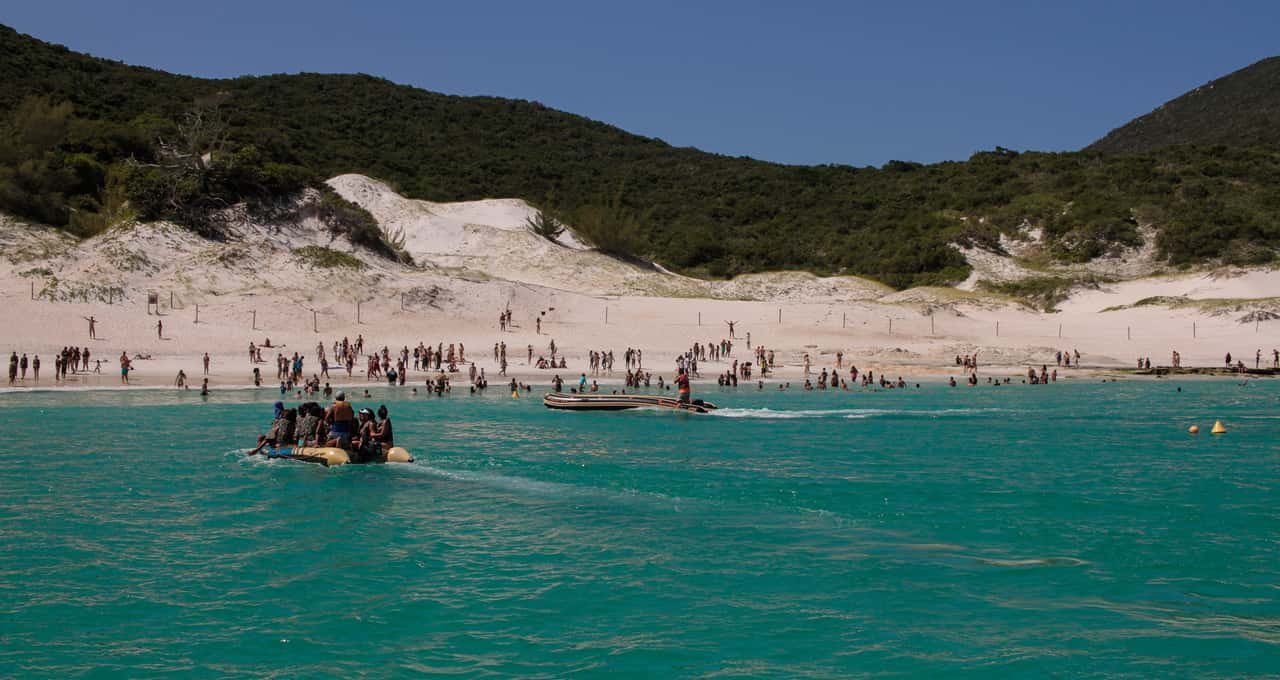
[[1073, 530]]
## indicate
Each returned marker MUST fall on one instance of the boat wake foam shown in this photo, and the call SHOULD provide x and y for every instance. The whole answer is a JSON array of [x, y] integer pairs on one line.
[[525, 486], [851, 413]]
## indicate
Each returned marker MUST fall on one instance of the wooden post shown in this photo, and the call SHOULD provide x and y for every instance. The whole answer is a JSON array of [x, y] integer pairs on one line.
[[997, 329], [606, 315], [402, 302], [314, 327], [1193, 329], [170, 299], [357, 311], [197, 313], [255, 319], [33, 290], [1128, 333], [1059, 330], [699, 318], [890, 325], [779, 315], [844, 319], [930, 324]]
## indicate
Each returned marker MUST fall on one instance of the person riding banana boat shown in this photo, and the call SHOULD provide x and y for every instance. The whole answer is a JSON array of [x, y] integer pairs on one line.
[[334, 436]]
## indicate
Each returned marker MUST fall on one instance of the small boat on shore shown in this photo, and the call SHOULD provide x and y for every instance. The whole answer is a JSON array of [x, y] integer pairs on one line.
[[330, 456], [618, 402]]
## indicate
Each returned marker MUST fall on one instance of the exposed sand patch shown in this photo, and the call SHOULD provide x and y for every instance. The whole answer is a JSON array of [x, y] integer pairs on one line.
[[476, 259]]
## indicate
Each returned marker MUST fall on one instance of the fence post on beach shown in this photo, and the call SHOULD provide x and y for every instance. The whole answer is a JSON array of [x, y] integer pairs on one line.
[[890, 325], [314, 327], [997, 329], [699, 318], [779, 315], [844, 319], [357, 311], [1128, 333], [402, 302], [930, 324], [1059, 330], [170, 299], [1193, 329], [33, 290], [255, 319], [606, 315], [197, 313]]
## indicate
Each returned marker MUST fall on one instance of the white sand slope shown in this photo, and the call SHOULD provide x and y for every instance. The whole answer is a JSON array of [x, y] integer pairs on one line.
[[491, 238], [477, 258], [1225, 284]]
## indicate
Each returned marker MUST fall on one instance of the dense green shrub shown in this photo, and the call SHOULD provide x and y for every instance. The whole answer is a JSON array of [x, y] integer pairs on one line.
[[69, 118], [327, 258]]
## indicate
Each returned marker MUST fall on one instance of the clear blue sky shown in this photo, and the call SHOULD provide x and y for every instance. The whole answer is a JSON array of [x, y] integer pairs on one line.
[[801, 82]]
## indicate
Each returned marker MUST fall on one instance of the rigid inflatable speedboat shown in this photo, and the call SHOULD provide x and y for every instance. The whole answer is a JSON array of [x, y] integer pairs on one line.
[[330, 456], [618, 402]]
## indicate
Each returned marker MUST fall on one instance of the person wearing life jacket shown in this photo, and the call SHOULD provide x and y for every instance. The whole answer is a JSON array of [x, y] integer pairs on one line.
[[682, 386], [341, 418]]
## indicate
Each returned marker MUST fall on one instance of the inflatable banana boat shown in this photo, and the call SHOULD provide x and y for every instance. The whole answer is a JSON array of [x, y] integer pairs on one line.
[[618, 402], [330, 456]]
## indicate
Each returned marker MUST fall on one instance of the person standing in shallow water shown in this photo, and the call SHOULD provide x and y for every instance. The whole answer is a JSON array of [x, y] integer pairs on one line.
[[682, 386]]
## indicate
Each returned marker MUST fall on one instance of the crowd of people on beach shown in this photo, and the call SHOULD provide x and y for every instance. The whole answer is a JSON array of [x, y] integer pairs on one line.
[[443, 362], [71, 360], [1257, 360]]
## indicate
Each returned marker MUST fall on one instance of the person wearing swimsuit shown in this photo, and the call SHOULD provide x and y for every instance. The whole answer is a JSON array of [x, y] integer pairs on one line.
[[385, 435], [340, 417], [682, 386]]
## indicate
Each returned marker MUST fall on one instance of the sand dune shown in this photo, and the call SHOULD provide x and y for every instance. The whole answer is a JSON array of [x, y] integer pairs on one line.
[[476, 258]]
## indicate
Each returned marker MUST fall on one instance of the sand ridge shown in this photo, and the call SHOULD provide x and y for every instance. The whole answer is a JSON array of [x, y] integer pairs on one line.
[[475, 259]]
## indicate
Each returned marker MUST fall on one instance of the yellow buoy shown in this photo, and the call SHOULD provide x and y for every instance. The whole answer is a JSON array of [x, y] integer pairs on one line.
[[1194, 429], [1218, 428]]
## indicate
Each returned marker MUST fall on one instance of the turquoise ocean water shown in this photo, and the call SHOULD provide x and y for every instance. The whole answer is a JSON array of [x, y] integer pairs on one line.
[[1074, 530]]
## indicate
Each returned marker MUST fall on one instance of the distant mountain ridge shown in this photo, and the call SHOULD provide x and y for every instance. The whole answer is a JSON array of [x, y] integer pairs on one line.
[[1241, 109], [86, 142]]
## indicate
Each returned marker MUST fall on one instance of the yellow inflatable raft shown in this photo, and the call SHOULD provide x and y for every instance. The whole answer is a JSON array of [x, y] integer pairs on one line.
[[330, 456]]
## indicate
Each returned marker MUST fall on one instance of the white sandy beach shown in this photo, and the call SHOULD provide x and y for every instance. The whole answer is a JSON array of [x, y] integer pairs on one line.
[[476, 259]]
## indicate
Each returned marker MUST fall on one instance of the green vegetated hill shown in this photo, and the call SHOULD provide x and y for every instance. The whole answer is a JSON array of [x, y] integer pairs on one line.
[[1241, 109], [88, 140]]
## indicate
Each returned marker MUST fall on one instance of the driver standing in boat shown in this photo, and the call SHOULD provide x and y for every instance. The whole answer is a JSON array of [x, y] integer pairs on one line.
[[682, 386], [340, 417]]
